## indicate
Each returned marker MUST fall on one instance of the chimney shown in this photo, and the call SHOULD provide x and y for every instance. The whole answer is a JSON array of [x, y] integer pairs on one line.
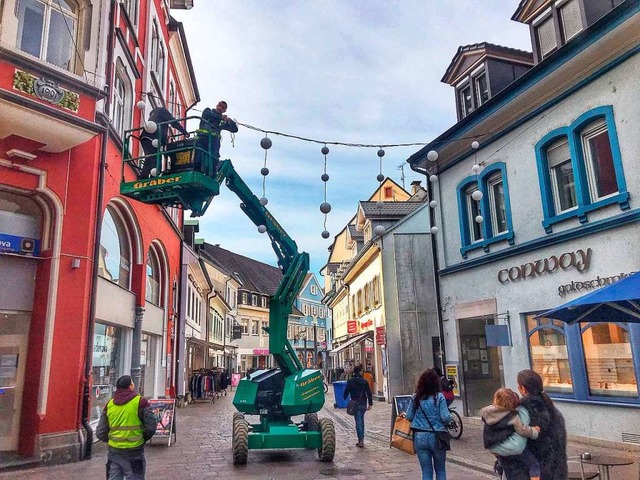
[[415, 187]]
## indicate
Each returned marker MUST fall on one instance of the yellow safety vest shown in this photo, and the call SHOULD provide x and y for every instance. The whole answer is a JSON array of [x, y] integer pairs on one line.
[[125, 427]]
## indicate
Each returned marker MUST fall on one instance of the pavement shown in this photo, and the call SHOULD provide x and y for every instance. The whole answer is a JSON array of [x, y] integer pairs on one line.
[[203, 450]]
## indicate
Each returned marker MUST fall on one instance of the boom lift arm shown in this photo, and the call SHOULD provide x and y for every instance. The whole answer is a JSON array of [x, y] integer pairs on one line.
[[293, 264]]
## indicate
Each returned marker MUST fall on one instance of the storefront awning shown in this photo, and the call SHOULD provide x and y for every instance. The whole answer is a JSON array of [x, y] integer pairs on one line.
[[352, 341], [618, 302]]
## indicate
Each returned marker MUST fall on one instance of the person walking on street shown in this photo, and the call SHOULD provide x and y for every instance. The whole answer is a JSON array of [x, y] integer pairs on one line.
[[360, 392], [551, 446], [162, 118], [429, 414], [211, 124], [126, 423]]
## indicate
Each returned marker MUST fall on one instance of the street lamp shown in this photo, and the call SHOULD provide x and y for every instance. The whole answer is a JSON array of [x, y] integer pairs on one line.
[[315, 341]]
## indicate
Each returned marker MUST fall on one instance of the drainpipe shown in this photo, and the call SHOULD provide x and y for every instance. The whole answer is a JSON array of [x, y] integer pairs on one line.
[[103, 119], [436, 268]]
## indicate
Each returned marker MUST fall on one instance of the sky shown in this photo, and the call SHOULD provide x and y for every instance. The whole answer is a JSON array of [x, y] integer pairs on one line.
[[348, 71]]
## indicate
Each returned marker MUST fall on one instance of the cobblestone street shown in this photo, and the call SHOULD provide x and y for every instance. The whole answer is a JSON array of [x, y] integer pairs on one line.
[[203, 450]]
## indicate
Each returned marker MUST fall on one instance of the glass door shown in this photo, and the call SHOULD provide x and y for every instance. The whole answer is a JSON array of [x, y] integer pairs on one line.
[[14, 340]]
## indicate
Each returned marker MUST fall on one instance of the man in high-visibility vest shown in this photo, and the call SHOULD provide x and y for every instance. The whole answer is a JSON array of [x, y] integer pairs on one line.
[[126, 423]]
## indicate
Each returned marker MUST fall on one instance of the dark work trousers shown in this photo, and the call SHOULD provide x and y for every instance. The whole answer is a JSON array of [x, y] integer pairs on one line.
[[126, 464], [206, 141], [150, 159]]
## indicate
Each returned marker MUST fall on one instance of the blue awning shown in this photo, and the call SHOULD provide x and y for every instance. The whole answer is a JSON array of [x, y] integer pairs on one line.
[[618, 302]]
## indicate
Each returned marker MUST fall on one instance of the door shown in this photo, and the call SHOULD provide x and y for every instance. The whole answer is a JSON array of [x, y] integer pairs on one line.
[[481, 368], [14, 340]]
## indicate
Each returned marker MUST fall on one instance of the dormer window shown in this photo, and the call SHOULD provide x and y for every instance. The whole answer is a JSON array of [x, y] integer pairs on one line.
[[546, 36], [465, 100], [481, 87], [570, 19], [557, 26]]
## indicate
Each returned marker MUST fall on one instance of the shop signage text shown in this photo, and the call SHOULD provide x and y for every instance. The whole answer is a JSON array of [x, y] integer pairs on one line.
[[580, 260], [352, 326], [261, 351], [590, 284], [381, 337]]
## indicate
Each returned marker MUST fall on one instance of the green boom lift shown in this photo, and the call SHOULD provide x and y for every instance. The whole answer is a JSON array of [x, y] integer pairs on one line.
[[275, 395]]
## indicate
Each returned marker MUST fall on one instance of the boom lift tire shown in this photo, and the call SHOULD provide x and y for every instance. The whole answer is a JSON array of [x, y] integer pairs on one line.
[[328, 433], [312, 422], [240, 444]]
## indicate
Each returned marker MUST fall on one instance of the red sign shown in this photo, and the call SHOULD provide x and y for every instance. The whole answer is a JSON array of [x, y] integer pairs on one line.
[[381, 336], [261, 351], [366, 324], [352, 326]]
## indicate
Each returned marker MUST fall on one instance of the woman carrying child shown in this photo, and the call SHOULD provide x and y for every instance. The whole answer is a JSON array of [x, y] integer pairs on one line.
[[506, 429]]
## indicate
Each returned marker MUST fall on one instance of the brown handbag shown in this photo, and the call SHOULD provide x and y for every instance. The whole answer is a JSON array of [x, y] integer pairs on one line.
[[402, 435]]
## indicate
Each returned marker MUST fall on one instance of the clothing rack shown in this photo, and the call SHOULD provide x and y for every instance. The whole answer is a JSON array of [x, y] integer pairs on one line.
[[202, 385], [206, 384]]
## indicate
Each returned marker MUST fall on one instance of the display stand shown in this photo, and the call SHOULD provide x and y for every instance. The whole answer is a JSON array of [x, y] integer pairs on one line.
[[164, 411]]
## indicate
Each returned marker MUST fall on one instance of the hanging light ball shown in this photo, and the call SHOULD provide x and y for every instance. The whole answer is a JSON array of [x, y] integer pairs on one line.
[[153, 172], [477, 195], [475, 168], [262, 228], [433, 178], [325, 177], [325, 234], [379, 230], [479, 219], [155, 143], [381, 153], [324, 151], [433, 204], [475, 144], [140, 105], [380, 177], [264, 171], [151, 126], [434, 230], [432, 156], [266, 143], [325, 207], [263, 201]]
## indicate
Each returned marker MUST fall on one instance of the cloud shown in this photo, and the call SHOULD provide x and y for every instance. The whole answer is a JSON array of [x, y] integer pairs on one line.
[[334, 71]]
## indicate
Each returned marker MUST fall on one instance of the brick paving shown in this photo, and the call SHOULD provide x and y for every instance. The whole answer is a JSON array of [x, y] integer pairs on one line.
[[203, 451]]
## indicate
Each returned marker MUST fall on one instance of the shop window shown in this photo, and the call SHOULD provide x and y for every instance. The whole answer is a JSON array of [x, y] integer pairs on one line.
[[549, 354], [48, 29], [115, 258], [107, 365], [580, 168], [152, 293], [609, 360]]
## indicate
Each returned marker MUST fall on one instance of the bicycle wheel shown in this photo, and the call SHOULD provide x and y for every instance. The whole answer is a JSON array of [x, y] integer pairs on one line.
[[455, 427]]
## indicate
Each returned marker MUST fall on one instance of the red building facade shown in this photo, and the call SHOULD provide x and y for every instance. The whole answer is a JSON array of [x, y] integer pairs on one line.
[[89, 277]]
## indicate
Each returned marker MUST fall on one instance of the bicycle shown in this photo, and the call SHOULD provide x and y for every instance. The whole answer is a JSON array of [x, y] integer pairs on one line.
[[455, 427], [325, 385]]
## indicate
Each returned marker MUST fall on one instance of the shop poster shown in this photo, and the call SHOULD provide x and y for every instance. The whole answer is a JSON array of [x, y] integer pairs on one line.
[[164, 410], [451, 371]]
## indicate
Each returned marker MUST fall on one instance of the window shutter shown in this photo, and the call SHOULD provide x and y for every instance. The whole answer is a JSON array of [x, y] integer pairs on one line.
[[571, 19], [547, 36], [558, 153]]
